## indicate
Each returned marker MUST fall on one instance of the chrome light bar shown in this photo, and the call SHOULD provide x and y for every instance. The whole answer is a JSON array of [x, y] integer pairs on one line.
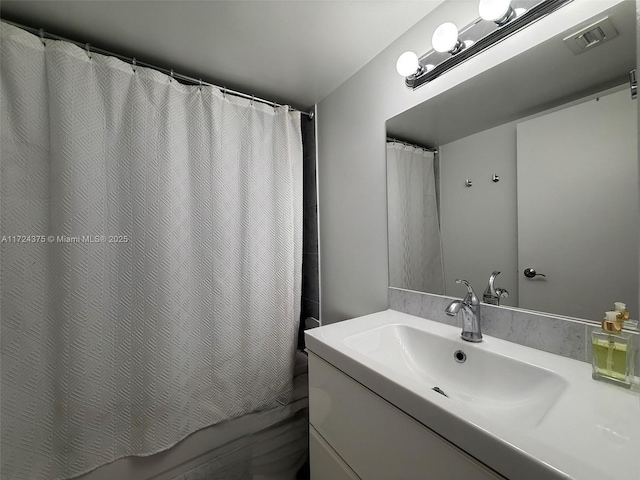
[[480, 35]]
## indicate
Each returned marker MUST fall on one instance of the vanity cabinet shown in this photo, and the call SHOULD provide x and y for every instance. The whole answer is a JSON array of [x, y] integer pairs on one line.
[[354, 433]]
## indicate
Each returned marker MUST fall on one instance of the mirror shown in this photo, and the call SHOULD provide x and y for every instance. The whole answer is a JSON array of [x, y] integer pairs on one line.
[[536, 172]]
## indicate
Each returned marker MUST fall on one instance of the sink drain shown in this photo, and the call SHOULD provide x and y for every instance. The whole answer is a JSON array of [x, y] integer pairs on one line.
[[460, 356]]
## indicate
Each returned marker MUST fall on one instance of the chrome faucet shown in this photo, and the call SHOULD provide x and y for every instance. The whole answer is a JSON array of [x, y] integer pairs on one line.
[[493, 295], [470, 307]]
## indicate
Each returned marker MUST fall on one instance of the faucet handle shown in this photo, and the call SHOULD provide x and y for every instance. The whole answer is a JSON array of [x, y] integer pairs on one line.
[[502, 292], [471, 297]]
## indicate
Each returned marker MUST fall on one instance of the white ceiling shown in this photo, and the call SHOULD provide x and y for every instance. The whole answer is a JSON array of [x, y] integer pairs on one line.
[[294, 52]]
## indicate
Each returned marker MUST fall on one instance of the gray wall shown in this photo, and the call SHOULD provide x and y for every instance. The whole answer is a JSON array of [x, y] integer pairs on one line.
[[351, 152], [492, 222]]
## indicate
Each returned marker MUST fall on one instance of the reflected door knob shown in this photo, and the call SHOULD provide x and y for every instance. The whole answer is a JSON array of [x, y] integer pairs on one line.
[[531, 272]]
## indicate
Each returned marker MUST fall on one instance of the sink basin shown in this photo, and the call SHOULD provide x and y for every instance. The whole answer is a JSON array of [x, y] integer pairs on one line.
[[491, 384]]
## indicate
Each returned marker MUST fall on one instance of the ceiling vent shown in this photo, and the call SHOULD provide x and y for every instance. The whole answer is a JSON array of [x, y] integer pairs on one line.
[[589, 37]]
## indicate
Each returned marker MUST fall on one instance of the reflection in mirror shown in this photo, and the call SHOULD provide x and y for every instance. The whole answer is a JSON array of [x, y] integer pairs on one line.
[[548, 143], [414, 239]]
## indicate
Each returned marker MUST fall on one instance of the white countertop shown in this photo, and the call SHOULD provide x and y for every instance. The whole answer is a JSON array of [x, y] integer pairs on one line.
[[591, 432]]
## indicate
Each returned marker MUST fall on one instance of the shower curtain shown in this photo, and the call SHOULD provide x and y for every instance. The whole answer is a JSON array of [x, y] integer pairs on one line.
[[415, 254], [150, 258]]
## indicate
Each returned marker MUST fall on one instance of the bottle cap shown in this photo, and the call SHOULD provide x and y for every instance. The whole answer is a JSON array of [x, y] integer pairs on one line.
[[611, 323], [609, 326], [621, 309]]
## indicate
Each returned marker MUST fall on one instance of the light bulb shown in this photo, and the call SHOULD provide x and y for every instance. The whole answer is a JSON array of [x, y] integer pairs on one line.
[[407, 64], [445, 38], [494, 10]]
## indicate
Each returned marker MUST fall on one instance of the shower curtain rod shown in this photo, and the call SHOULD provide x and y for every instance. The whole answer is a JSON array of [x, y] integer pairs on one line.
[[178, 76], [426, 149]]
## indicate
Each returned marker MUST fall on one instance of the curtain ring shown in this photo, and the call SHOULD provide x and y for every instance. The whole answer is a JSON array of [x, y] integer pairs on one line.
[[252, 99], [200, 82], [224, 92], [134, 65], [86, 47], [171, 79], [42, 39]]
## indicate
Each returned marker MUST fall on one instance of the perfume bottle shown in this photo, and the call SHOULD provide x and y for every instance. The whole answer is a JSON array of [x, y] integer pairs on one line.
[[612, 352]]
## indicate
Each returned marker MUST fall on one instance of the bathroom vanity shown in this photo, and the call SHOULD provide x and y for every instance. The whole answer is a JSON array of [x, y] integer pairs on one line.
[[393, 396]]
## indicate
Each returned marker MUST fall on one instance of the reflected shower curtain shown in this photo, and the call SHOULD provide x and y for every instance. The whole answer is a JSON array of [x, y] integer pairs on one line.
[[155, 290], [415, 254]]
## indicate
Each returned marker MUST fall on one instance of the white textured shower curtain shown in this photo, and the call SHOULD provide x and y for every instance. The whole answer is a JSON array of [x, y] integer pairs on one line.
[[156, 290], [415, 253]]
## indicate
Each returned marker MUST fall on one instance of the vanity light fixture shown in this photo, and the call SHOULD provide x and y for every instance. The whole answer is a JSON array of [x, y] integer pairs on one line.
[[445, 39], [498, 20], [498, 11], [408, 64]]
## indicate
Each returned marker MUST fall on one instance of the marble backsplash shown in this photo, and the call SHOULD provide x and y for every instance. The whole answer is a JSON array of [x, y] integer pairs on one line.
[[554, 334]]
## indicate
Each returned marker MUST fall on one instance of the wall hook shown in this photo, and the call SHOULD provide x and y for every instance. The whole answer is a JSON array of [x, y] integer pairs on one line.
[[468, 183], [495, 178]]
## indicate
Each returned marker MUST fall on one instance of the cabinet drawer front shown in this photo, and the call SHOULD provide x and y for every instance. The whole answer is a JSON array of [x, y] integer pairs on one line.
[[325, 463], [377, 440]]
